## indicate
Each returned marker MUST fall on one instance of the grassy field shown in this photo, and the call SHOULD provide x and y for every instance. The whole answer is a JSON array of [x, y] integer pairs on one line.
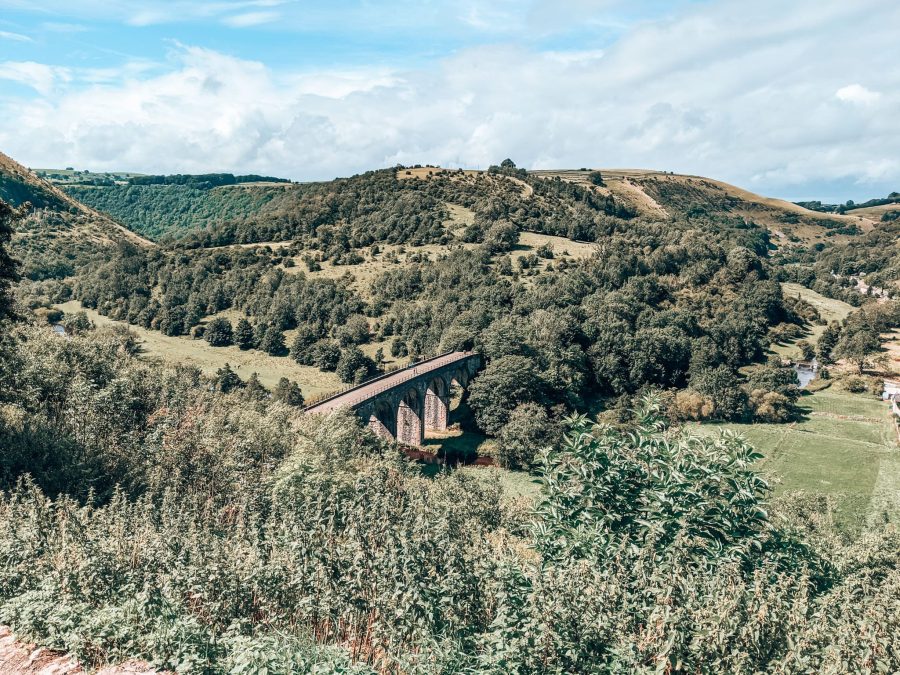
[[209, 359], [828, 308], [845, 446]]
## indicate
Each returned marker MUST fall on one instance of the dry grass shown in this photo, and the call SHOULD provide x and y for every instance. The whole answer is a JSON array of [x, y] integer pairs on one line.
[[426, 172]]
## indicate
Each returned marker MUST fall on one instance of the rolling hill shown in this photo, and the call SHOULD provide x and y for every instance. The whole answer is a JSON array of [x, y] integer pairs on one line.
[[59, 231]]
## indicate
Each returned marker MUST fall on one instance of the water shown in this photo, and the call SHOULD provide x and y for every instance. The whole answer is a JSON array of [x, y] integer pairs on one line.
[[806, 372], [59, 330]]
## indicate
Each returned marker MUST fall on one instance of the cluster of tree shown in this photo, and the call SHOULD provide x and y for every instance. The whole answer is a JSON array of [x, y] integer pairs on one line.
[[858, 338], [172, 291], [172, 211], [849, 205], [204, 181]]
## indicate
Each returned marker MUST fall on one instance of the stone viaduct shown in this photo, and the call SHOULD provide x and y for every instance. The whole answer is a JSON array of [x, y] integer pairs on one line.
[[403, 404]]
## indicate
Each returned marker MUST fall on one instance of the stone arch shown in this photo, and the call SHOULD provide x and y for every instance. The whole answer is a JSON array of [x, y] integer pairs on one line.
[[409, 418], [460, 377], [437, 404], [382, 420]]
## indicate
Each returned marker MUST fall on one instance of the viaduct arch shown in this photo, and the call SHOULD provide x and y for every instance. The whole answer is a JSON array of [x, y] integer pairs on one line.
[[404, 404]]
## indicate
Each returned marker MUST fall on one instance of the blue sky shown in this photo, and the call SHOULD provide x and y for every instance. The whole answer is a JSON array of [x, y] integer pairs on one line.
[[789, 99]]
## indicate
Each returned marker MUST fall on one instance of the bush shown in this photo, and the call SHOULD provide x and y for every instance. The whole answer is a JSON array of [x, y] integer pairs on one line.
[[528, 431]]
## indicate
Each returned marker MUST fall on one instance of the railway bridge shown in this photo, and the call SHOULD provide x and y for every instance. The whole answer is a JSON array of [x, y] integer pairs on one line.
[[401, 405]]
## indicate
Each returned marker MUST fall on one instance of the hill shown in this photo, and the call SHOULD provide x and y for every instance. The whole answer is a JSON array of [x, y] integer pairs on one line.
[[59, 232], [660, 194]]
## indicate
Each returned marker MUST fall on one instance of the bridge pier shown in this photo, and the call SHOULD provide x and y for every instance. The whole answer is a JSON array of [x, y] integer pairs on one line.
[[437, 405]]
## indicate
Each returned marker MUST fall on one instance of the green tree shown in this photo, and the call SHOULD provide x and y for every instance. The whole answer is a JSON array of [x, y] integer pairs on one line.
[[8, 266], [218, 332], [254, 390], [500, 387], [288, 392], [528, 431], [859, 341], [723, 386], [326, 354], [273, 341], [78, 323], [304, 338], [227, 380], [827, 342], [243, 334], [354, 366]]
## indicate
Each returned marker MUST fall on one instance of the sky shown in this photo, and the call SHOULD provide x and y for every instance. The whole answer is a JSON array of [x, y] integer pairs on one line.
[[797, 99]]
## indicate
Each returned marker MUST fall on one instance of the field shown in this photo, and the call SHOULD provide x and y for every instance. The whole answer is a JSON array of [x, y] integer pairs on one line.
[[269, 369], [845, 446], [828, 308]]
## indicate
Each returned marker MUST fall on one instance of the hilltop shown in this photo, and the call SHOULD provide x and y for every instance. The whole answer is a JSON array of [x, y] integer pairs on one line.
[[59, 229]]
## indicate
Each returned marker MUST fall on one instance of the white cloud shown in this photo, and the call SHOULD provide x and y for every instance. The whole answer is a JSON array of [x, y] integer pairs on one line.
[[739, 91], [15, 37], [40, 77], [250, 19], [856, 93]]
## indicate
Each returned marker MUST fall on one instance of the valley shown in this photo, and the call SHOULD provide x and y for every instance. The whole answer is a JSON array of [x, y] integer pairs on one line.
[[621, 321]]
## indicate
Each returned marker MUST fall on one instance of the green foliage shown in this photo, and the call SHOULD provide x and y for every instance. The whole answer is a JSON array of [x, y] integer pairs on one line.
[[227, 380], [218, 332], [246, 537], [505, 383], [272, 341], [354, 366], [288, 392], [243, 334], [858, 342], [528, 431], [8, 271]]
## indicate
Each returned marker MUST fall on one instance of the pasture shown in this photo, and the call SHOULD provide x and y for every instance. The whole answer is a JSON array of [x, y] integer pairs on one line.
[[844, 446]]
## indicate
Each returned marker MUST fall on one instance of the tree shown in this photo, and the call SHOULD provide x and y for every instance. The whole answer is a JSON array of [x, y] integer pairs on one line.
[[858, 342], [218, 332], [500, 237], [325, 354], [254, 390], [354, 332], [243, 335], [722, 386], [502, 385], [78, 323], [827, 342], [288, 392], [807, 351], [528, 431], [354, 366], [596, 178], [305, 338], [8, 271], [273, 341], [227, 380]]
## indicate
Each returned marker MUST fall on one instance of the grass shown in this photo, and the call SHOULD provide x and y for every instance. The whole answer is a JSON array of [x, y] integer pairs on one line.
[[182, 349], [828, 308], [844, 446]]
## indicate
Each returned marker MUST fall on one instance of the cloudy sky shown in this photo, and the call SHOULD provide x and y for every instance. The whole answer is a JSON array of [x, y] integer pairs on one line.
[[796, 98]]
